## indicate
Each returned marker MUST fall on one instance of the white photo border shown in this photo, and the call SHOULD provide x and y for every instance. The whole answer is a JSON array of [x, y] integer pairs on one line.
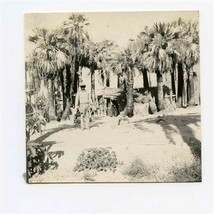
[[20, 197]]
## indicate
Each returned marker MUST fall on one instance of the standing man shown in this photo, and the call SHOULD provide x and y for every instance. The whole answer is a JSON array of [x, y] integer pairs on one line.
[[83, 102]]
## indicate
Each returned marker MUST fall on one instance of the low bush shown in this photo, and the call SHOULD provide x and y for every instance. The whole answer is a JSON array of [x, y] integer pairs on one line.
[[41, 103], [136, 170], [99, 159]]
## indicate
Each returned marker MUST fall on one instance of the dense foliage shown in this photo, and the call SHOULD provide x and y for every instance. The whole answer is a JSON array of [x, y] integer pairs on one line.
[[39, 159], [99, 159], [60, 55]]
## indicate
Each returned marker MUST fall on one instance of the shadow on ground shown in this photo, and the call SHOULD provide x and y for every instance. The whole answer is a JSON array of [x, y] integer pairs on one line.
[[181, 122], [141, 127], [53, 131]]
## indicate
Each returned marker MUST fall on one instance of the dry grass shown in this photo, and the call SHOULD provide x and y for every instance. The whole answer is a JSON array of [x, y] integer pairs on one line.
[[186, 173], [136, 170]]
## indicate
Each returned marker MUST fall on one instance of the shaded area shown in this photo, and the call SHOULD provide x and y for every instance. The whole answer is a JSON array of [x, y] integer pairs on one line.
[[182, 122], [96, 124], [39, 156], [53, 131], [52, 154], [141, 127]]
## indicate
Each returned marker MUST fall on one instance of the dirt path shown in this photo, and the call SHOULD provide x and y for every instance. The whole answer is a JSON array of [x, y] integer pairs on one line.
[[161, 145]]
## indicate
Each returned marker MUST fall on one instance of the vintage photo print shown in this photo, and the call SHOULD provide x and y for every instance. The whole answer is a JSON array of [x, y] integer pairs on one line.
[[113, 97]]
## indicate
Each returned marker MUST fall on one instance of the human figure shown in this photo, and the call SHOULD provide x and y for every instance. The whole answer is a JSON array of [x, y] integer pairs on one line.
[[83, 102]]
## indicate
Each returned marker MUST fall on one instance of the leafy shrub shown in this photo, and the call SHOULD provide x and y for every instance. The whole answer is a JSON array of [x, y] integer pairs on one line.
[[31, 121], [136, 170], [99, 159], [39, 159], [41, 103]]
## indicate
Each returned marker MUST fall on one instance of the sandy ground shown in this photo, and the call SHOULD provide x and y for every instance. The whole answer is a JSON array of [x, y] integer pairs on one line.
[[159, 144]]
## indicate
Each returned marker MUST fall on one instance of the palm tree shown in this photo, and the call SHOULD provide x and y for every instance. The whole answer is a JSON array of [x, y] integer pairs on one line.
[[156, 59], [47, 60], [185, 54], [142, 42], [75, 41], [124, 63], [192, 55], [100, 56]]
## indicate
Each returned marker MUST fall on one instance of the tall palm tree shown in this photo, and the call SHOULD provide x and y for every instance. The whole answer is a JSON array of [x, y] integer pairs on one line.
[[47, 60], [191, 40], [142, 42], [100, 56], [76, 41], [157, 59], [124, 63], [185, 54]]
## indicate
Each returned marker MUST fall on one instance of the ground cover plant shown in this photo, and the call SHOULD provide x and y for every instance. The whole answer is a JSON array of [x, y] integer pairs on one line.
[[99, 159]]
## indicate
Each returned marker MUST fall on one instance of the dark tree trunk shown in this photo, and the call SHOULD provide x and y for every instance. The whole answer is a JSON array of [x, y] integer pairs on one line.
[[160, 91], [68, 91], [173, 83], [191, 87], [76, 77], [118, 81], [129, 93], [107, 81], [72, 87], [184, 90], [180, 84], [51, 100], [92, 83], [63, 84], [145, 79]]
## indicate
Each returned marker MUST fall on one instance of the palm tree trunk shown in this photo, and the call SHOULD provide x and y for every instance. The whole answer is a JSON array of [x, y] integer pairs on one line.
[[179, 83], [129, 93], [145, 80], [92, 83], [69, 102], [63, 82], [184, 90], [50, 99], [76, 76], [160, 91], [191, 88], [69, 75]]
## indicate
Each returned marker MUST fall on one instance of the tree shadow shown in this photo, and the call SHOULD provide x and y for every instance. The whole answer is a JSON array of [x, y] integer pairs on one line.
[[53, 131], [182, 122], [96, 124], [142, 128]]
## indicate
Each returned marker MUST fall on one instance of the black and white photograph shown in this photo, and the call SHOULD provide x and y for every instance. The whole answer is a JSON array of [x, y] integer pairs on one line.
[[113, 97]]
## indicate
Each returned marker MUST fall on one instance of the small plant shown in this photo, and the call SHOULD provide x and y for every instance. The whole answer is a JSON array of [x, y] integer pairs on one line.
[[99, 159], [41, 103], [136, 170], [39, 159]]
